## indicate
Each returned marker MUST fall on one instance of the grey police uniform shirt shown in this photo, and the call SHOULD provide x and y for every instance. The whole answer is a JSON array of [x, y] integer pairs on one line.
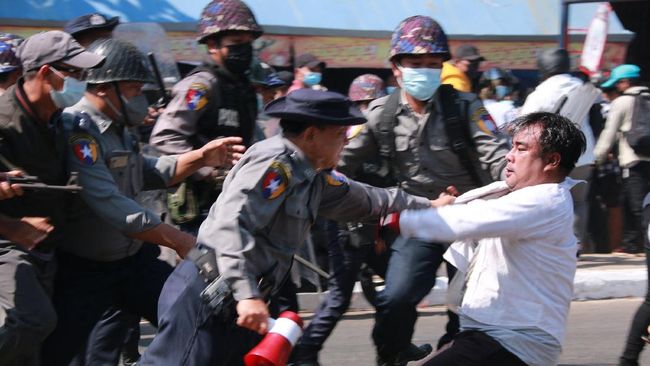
[[270, 200], [424, 161], [177, 126], [111, 171]]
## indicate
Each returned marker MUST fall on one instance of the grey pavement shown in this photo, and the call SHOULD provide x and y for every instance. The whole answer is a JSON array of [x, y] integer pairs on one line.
[[598, 276]]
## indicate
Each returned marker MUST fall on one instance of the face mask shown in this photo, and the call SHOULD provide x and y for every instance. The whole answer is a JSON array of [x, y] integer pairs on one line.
[[239, 58], [312, 78], [420, 83], [136, 109], [260, 102], [472, 71], [502, 91], [390, 89], [72, 92]]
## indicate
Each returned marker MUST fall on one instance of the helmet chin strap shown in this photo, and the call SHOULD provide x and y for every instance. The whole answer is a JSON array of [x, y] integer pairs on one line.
[[122, 112]]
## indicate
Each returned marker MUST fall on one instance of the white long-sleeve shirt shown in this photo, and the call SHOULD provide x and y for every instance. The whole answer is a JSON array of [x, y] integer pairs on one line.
[[526, 255]]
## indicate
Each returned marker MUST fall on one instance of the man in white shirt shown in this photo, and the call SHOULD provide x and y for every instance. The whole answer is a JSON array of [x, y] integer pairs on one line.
[[514, 240], [562, 93]]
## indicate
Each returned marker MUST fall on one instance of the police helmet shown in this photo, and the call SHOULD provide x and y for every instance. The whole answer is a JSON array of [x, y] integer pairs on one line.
[[124, 62], [366, 87], [418, 35], [227, 15]]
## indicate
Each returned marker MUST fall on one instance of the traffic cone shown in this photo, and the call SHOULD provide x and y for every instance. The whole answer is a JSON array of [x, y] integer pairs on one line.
[[275, 348]]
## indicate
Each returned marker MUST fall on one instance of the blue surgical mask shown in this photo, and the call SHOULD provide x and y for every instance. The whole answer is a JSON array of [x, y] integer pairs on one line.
[[312, 78], [390, 89], [502, 91], [421, 83], [72, 92]]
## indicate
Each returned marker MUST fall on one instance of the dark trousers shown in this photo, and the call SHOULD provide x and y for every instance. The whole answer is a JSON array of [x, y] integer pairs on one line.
[[189, 333], [635, 187], [27, 316], [474, 348], [118, 332], [639, 327], [85, 290], [344, 264], [411, 275]]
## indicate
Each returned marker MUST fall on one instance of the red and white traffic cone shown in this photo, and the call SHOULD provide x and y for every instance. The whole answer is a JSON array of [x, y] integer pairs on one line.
[[275, 348]]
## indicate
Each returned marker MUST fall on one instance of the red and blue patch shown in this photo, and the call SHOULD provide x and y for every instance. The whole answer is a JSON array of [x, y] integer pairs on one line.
[[484, 121], [84, 148], [275, 181], [336, 179], [196, 97]]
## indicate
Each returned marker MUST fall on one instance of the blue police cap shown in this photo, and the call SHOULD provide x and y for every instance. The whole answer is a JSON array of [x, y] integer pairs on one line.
[[90, 21], [323, 107]]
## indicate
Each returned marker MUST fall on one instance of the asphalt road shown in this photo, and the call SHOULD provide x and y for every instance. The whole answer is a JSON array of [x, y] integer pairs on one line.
[[596, 333]]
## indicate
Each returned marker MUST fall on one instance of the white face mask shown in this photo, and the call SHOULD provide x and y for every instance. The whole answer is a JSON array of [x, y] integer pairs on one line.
[[421, 83], [72, 92]]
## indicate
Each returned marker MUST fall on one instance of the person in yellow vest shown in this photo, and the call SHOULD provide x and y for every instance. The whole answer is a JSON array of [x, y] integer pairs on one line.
[[463, 68]]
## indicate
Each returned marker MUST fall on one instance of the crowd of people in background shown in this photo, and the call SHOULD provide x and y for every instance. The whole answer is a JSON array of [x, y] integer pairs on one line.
[[251, 161]]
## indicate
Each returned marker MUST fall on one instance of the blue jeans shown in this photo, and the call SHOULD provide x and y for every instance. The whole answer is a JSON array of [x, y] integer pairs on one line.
[[411, 275], [189, 333]]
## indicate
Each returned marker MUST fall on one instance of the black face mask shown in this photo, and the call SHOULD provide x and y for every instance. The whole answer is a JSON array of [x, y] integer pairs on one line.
[[239, 58]]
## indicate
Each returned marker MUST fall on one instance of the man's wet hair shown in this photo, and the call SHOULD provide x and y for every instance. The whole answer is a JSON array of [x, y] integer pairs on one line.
[[558, 135]]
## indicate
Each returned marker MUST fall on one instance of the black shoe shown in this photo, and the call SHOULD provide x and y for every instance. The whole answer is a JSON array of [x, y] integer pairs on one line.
[[411, 353]]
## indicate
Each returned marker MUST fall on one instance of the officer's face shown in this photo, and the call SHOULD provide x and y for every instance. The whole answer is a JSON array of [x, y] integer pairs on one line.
[[326, 144], [218, 48], [526, 165], [425, 61]]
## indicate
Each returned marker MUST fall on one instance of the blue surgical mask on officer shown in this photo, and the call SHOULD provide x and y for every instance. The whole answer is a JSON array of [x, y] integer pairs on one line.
[[72, 92], [421, 83], [502, 91], [312, 78], [390, 89]]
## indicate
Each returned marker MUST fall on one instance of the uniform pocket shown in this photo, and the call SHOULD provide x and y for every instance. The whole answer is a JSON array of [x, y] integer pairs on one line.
[[228, 118]]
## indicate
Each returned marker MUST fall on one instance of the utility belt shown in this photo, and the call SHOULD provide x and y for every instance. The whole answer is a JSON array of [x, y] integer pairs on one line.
[[218, 294]]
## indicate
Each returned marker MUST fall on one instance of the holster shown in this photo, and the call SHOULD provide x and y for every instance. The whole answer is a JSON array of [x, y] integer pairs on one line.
[[218, 294]]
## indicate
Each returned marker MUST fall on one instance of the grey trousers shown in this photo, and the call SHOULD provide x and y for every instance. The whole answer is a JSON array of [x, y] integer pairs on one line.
[[27, 316]]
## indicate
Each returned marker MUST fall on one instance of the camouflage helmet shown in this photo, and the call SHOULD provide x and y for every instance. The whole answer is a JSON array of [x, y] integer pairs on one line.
[[13, 40], [419, 35], [366, 87], [227, 15], [124, 62]]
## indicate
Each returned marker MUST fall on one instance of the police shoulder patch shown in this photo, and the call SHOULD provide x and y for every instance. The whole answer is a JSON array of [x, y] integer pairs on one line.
[[276, 180], [335, 178], [197, 96], [85, 148], [484, 121]]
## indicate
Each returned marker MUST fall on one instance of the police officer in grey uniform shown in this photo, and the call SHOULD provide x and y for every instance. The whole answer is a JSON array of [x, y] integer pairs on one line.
[[269, 201], [102, 263], [409, 130], [215, 100]]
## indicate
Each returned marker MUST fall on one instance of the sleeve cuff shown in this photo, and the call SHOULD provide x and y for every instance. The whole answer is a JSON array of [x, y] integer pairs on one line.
[[141, 221], [166, 167], [243, 289]]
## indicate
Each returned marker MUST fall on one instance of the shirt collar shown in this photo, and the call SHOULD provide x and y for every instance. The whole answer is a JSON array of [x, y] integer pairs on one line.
[[404, 105], [303, 168], [102, 121]]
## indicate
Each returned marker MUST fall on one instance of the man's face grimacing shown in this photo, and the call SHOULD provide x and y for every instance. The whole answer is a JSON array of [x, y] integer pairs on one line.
[[325, 145], [526, 164]]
